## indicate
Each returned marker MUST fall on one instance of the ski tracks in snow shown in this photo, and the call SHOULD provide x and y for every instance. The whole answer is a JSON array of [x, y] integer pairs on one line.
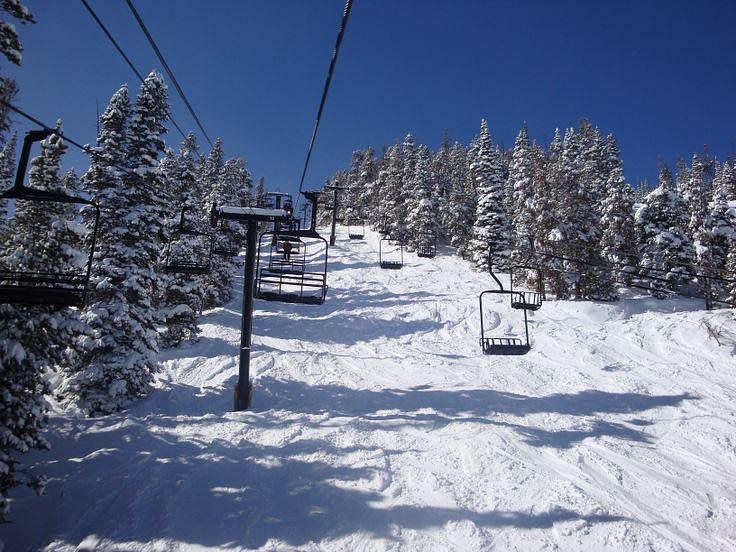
[[377, 424]]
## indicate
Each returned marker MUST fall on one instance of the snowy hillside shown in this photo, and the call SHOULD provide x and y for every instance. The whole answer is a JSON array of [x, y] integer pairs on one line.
[[378, 424]]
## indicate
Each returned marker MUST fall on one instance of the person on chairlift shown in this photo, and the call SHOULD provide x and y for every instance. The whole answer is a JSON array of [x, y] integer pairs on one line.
[[287, 251]]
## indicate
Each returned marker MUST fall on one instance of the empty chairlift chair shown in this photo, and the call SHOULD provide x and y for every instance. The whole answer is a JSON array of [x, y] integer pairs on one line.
[[502, 344], [427, 245], [390, 253], [225, 241], [189, 251], [356, 229], [46, 285], [527, 299]]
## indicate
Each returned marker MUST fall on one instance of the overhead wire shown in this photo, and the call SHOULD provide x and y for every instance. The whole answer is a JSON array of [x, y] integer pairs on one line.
[[167, 68], [89, 150], [325, 90], [122, 53]]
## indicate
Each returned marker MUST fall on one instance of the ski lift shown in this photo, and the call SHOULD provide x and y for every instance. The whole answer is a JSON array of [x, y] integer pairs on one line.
[[49, 287], [188, 251], [223, 242], [525, 299], [356, 229], [502, 345], [291, 264], [390, 253], [427, 245]]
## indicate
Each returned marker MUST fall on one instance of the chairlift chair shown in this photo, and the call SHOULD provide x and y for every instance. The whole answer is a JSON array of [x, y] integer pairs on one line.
[[53, 288], [427, 246], [223, 242], [526, 299], [188, 251], [356, 229], [299, 276], [390, 253], [502, 345]]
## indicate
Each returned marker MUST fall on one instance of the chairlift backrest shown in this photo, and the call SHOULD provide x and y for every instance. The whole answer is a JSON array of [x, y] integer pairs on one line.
[[54, 288]]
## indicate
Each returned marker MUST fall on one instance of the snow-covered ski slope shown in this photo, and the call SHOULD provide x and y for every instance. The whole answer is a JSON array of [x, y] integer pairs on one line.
[[377, 424]]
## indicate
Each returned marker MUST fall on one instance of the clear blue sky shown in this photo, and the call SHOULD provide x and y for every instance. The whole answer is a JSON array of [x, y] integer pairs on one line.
[[658, 74]]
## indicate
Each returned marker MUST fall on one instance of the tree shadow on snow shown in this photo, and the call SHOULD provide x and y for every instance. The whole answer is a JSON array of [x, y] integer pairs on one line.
[[160, 485], [434, 409]]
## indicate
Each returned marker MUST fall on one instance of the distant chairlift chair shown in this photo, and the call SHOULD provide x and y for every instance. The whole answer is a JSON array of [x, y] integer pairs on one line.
[[390, 253], [188, 251], [503, 345], [356, 229], [427, 246], [224, 244], [525, 299], [65, 288]]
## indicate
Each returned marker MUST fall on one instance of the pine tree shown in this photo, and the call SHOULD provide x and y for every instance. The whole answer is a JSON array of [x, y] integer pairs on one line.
[[666, 250], [218, 287], [490, 239], [7, 172], [393, 206], [521, 202], [10, 45], [35, 339], [458, 214], [119, 361], [618, 238], [180, 295], [422, 219], [260, 194]]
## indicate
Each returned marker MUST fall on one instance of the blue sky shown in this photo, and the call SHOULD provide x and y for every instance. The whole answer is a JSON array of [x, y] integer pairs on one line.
[[658, 74]]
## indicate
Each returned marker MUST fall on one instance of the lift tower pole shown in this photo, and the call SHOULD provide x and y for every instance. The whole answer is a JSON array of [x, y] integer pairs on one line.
[[250, 216], [335, 188]]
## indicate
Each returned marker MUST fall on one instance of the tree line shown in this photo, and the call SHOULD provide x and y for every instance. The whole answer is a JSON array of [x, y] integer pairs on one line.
[[569, 203]]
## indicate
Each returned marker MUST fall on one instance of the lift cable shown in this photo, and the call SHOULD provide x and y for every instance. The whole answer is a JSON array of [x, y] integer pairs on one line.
[[330, 71], [117, 46], [634, 273], [89, 150], [634, 269], [168, 70]]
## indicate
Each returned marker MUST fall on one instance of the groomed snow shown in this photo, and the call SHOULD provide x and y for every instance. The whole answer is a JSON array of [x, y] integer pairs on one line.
[[377, 424]]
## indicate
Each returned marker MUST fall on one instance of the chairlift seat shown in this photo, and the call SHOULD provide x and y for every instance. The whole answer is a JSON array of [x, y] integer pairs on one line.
[[43, 288], [527, 300], [504, 346], [392, 265]]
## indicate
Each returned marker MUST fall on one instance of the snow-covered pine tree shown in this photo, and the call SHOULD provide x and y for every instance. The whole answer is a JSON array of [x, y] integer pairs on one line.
[[119, 361], [579, 217], [618, 236], [550, 192], [490, 239], [35, 339], [441, 180], [665, 248], [403, 201], [459, 211], [351, 195], [259, 196], [422, 225], [720, 220], [215, 292], [7, 170], [393, 207], [180, 295], [369, 186], [10, 45], [521, 201]]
